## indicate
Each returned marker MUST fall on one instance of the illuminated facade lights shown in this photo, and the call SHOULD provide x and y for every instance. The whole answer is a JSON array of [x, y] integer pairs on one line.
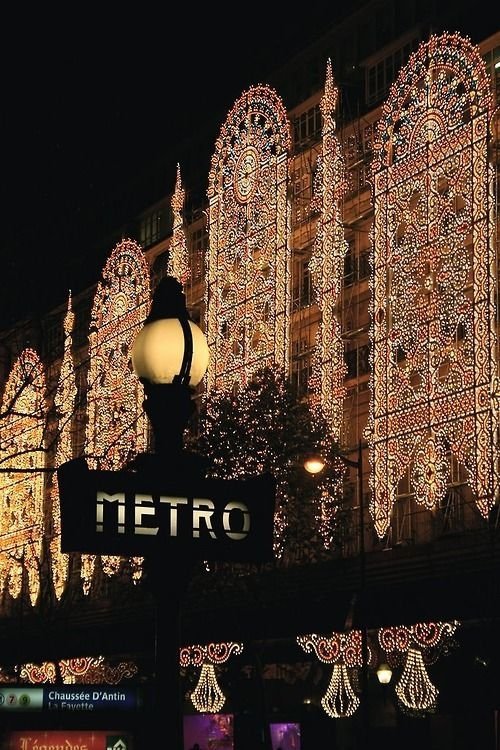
[[65, 400], [117, 426], [327, 267], [327, 271], [21, 492], [248, 263], [433, 346], [178, 258]]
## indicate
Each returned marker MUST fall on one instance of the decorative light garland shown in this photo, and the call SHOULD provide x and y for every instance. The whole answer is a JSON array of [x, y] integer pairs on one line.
[[433, 344], [86, 670], [207, 696], [65, 403], [248, 263], [21, 493], [327, 267], [327, 271], [343, 650], [178, 259], [117, 427], [414, 689]]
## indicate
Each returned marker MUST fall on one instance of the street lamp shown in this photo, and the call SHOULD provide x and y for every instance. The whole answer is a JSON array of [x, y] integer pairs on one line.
[[384, 673], [170, 356]]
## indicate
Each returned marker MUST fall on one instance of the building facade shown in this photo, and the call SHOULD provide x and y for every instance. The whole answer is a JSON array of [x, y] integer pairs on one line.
[[357, 256]]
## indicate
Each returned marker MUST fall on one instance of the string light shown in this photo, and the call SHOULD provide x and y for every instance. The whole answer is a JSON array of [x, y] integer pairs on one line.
[[343, 650], [82, 670], [327, 270], [178, 259], [415, 689], [21, 494], [65, 403], [208, 697], [248, 263], [327, 267], [432, 292], [117, 426]]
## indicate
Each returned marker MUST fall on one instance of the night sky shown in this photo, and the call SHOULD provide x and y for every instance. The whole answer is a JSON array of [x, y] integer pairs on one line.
[[96, 113], [97, 109]]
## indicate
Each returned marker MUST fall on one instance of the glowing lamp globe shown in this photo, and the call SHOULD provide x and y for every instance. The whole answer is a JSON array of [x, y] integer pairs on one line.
[[158, 352], [314, 464], [384, 674]]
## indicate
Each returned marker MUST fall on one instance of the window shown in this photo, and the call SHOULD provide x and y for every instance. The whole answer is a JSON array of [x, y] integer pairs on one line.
[[307, 127], [152, 228], [357, 361], [301, 368], [198, 244], [302, 292], [382, 73]]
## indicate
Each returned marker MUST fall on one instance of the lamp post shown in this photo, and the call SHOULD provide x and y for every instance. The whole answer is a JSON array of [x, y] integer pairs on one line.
[[170, 356], [314, 464]]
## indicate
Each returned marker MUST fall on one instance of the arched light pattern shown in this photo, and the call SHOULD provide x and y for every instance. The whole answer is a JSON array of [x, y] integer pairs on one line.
[[65, 404], [327, 271], [85, 670], [178, 259], [248, 275], [433, 348], [248, 263], [207, 696], [344, 650], [421, 643], [21, 492], [117, 426]]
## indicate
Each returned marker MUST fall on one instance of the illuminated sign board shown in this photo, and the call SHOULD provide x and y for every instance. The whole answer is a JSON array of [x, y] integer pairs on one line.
[[38, 739], [134, 514], [68, 698]]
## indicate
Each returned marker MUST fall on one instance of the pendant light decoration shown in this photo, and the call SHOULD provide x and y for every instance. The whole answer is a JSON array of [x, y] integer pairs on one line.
[[418, 645], [207, 697], [344, 651]]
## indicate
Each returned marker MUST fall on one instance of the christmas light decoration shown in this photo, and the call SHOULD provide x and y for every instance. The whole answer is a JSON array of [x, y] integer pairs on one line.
[[248, 264], [327, 267], [117, 426], [65, 403], [38, 674], [21, 492], [327, 272], [88, 670], [422, 643], [433, 346], [344, 650], [94, 670], [207, 696], [178, 259]]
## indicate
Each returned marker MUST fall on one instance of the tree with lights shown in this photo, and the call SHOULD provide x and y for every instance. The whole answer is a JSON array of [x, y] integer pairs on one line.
[[264, 428]]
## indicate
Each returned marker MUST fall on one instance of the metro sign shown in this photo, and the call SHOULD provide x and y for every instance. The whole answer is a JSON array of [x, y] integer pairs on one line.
[[135, 514]]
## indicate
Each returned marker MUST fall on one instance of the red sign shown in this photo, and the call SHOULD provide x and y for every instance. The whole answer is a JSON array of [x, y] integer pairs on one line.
[[42, 739]]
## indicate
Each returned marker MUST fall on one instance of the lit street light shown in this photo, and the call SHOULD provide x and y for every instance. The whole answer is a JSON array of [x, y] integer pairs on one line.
[[170, 356]]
